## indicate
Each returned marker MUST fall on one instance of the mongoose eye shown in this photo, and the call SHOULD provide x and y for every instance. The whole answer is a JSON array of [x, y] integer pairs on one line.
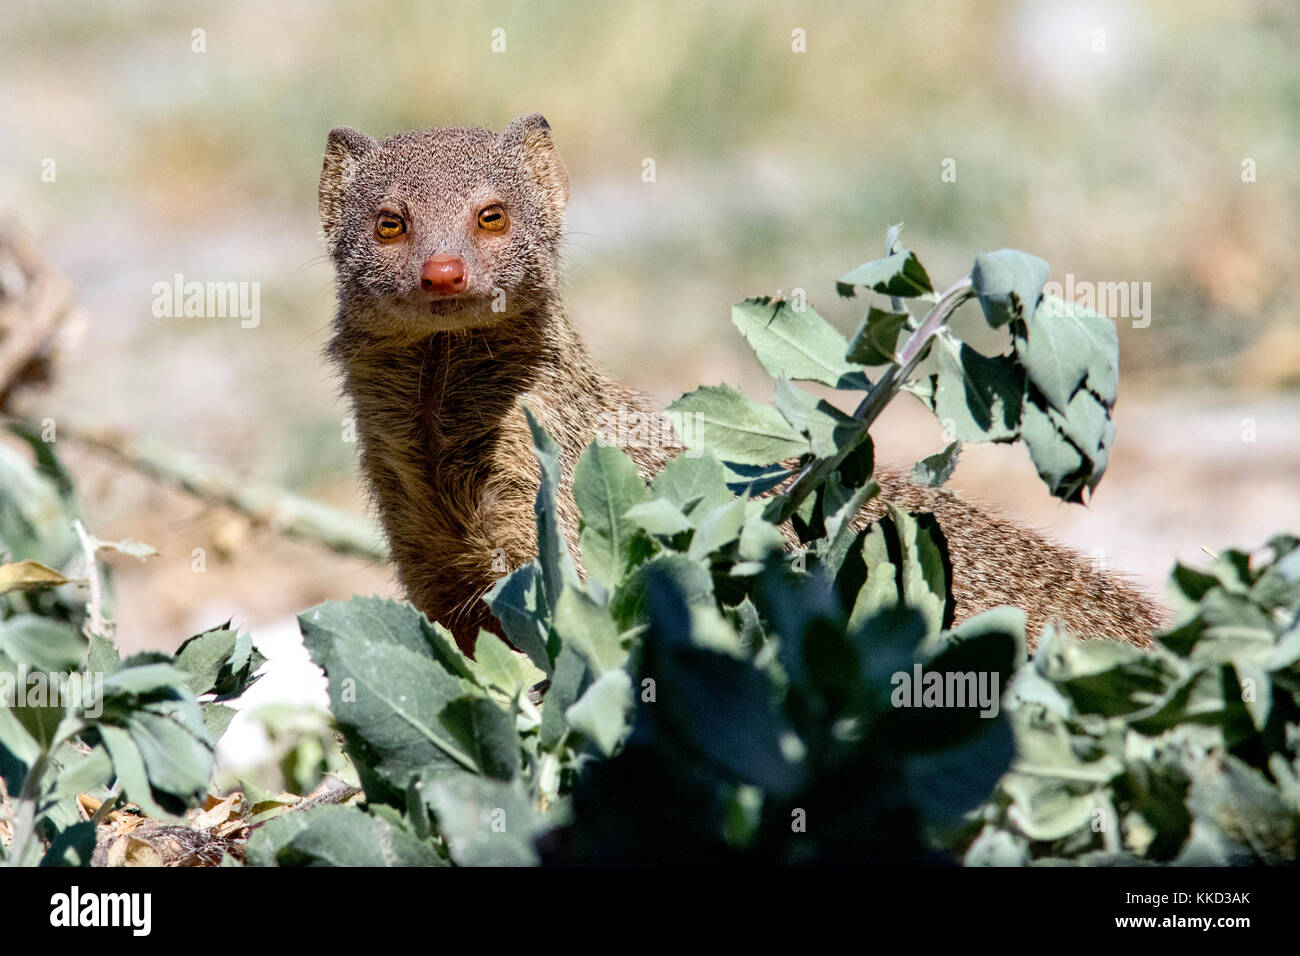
[[389, 226], [493, 218]]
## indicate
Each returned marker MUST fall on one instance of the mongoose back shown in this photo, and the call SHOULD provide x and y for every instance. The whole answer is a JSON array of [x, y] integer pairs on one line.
[[446, 245]]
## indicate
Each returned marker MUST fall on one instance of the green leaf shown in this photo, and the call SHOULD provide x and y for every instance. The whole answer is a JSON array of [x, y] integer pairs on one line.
[[216, 719], [630, 605], [935, 470], [566, 683], [759, 538], [717, 529], [1070, 451], [128, 765], [840, 533], [35, 518], [752, 481], [977, 398], [995, 847], [1104, 677], [735, 428], [552, 548], [1278, 584], [102, 656], [177, 755], [605, 485], [602, 712], [716, 704], [337, 836], [202, 658], [18, 750], [947, 782], [796, 344], [82, 773], [1068, 346], [659, 516], [1047, 808], [1009, 285], [42, 713], [383, 621], [74, 846], [696, 484], [486, 732], [142, 679], [827, 428], [485, 823], [588, 628], [516, 601], [496, 665], [876, 340], [1251, 821], [388, 701], [900, 275], [40, 643], [920, 578], [999, 632]]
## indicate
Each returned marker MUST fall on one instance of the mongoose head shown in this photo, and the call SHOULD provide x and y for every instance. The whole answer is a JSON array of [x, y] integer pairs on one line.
[[442, 229]]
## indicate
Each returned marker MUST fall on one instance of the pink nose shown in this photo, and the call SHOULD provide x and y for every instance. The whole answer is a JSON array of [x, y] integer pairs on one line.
[[444, 274]]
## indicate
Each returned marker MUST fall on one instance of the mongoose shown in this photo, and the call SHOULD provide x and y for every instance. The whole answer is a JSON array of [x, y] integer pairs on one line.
[[446, 244]]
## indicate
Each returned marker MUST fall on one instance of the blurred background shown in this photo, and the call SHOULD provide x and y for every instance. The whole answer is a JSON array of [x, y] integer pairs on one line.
[[1123, 142]]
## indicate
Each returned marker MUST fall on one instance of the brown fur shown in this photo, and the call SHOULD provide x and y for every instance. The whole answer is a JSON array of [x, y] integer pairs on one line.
[[436, 388]]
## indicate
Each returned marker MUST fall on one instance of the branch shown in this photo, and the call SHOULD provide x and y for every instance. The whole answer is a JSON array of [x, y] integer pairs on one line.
[[265, 505], [96, 623], [34, 303], [905, 363]]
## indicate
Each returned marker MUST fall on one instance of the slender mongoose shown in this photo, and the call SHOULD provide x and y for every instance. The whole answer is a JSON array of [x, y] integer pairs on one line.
[[446, 245]]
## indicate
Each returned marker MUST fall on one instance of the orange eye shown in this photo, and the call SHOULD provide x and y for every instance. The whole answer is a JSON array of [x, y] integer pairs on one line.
[[493, 218], [389, 226]]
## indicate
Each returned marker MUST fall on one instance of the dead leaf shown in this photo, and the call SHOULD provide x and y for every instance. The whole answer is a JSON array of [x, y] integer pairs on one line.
[[218, 813], [22, 575], [136, 549]]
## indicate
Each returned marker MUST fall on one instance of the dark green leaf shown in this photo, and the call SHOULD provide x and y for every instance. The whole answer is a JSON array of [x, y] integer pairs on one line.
[[876, 340], [900, 275], [935, 470]]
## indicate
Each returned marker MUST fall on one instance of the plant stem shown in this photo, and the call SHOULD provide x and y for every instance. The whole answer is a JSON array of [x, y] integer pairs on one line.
[[95, 626], [891, 237], [25, 809], [27, 806], [873, 403]]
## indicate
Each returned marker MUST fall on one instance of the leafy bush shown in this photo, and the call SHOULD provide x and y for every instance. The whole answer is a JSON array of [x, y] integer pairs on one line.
[[76, 718], [709, 697], [1185, 754], [715, 688]]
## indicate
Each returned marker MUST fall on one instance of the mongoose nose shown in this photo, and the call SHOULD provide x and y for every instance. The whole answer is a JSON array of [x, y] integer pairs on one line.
[[444, 274]]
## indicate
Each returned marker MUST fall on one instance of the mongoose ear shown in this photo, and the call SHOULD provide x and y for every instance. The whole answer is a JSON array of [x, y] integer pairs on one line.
[[531, 136], [343, 151]]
